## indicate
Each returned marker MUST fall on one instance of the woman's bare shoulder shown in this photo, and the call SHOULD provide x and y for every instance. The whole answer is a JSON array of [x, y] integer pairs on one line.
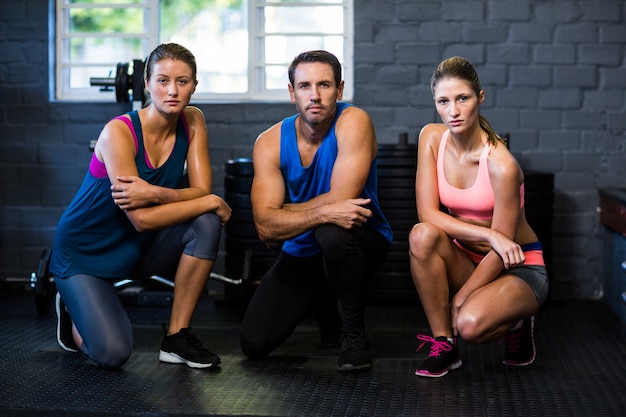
[[431, 133], [193, 114]]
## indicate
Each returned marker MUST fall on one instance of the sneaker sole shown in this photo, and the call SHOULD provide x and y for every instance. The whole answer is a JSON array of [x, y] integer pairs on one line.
[[170, 357], [526, 363], [452, 367], [351, 368], [57, 306]]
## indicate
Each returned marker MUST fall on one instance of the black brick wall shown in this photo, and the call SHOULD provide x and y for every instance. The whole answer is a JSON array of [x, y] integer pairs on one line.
[[554, 74]]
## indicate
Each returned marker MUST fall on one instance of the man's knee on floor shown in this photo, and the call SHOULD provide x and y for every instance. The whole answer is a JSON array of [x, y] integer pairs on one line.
[[255, 350]]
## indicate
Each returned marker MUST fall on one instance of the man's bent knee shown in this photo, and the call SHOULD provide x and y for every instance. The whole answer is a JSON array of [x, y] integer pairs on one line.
[[255, 350], [332, 240]]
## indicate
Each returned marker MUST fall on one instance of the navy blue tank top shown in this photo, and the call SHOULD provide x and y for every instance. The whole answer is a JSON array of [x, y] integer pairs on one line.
[[94, 236]]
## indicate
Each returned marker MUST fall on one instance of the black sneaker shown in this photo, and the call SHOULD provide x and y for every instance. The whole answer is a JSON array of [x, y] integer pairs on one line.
[[184, 347], [355, 355], [64, 327], [443, 357], [519, 344]]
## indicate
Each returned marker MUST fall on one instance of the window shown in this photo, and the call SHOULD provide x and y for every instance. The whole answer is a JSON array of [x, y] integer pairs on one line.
[[242, 47]]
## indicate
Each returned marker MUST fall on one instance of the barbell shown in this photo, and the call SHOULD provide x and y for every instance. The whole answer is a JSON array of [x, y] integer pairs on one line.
[[124, 82]]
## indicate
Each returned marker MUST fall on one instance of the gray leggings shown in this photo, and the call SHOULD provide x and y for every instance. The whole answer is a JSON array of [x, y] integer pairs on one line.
[[95, 307]]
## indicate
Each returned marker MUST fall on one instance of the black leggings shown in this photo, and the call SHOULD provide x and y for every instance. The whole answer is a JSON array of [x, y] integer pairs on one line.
[[95, 307], [295, 288]]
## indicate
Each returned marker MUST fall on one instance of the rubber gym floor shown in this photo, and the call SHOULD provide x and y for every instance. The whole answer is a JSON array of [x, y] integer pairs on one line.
[[580, 369]]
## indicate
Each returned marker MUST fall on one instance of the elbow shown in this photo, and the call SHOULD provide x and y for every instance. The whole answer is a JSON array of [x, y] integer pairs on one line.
[[140, 228], [139, 223], [264, 235]]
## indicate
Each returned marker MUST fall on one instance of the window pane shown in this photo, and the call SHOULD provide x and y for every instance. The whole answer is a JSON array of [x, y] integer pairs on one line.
[[97, 58], [217, 34], [105, 1], [276, 78], [104, 50], [282, 49], [327, 19], [96, 35], [106, 20], [303, 1]]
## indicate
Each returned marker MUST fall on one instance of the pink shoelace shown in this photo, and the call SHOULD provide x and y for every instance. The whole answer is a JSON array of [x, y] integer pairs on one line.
[[436, 346]]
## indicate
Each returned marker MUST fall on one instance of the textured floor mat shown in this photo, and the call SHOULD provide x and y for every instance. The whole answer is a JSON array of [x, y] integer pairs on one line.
[[580, 370]]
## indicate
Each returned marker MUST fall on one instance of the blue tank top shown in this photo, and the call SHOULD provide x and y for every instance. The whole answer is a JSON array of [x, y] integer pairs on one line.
[[305, 183], [94, 236]]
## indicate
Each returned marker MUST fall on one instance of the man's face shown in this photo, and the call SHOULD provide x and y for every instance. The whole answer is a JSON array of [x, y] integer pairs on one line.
[[314, 92]]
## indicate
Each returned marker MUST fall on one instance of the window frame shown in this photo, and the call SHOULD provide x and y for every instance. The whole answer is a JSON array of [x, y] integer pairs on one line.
[[149, 37]]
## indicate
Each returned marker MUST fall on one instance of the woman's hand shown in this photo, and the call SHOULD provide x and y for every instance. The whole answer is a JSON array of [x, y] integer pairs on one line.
[[223, 209], [510, 252], [132, 192]]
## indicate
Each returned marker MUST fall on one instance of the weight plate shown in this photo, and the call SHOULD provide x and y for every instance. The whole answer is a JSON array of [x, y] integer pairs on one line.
[[238, 200], [386, 150], [404, 172], [122, 83], [240, 185], [239, 216], [238, 229], [239, 167], [406, 182], [389, 204], [396, 193], [536, 181], [539, 198], [399, 161]]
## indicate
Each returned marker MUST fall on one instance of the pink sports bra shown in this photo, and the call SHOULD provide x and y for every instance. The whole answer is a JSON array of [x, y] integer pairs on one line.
[[475, 202]]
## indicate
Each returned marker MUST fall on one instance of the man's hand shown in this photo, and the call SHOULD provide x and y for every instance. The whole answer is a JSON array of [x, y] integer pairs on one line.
[[132, 192], [349, 213]]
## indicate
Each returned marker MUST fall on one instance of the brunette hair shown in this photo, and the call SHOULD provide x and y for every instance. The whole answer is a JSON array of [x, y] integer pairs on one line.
[[171, 51]]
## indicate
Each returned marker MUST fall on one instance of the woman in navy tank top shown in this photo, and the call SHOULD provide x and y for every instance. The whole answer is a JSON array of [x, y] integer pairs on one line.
[[132, 218]]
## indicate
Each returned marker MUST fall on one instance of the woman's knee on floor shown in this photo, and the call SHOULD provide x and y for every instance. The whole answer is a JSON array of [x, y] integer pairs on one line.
[[109, 355]]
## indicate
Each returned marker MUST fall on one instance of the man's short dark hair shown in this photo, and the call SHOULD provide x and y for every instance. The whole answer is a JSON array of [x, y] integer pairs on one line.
[[316, 56]]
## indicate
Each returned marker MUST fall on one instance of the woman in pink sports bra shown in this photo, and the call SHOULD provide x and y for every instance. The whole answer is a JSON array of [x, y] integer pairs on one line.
[[478, 268]]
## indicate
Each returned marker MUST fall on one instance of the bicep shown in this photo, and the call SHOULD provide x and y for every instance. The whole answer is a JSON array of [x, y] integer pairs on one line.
[[506, 190], [116, 147], [356, 148], [198, 160], [268, 187]]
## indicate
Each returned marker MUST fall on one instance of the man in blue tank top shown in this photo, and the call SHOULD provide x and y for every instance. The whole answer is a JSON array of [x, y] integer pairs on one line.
[[315, 191]]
